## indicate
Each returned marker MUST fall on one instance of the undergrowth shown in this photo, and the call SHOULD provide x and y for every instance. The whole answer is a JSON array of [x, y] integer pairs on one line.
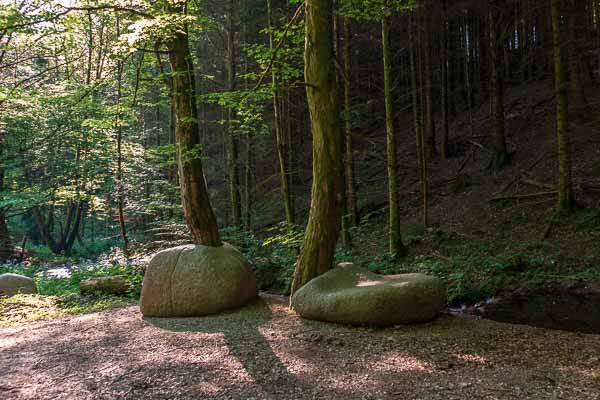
[[473, 270], [58, 280]]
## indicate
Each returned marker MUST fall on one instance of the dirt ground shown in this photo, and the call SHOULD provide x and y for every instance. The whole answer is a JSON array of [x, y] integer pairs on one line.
[[264, 351]]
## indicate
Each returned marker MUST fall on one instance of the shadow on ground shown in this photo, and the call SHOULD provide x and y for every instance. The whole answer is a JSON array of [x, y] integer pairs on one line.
[[248, 345]]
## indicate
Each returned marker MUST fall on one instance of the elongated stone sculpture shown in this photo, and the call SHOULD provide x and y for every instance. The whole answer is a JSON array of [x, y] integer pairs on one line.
[[352, 295]]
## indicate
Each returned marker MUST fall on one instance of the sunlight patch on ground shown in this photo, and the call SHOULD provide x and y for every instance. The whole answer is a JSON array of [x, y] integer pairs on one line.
[[401, 362], [589, 372], [471, 358], [26, 307]]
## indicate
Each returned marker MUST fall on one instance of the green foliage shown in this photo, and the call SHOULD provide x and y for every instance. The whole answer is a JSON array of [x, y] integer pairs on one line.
[[273, 258], [373, 10], [590, 220], [50, 285], [414, 234]]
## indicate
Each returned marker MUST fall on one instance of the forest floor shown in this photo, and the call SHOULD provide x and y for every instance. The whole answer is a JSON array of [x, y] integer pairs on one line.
[[265, 351]]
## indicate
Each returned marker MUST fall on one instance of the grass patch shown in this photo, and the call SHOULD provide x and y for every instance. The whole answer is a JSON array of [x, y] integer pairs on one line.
[[21, 308], [59, 296]]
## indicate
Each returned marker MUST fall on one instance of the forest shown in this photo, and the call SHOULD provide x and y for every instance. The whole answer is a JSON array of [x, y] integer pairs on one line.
[[425, 225]]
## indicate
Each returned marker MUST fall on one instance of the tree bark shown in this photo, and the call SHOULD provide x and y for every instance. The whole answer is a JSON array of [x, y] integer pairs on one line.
[[284, 174], [425, 42], [232, 142], [577, 99], [417, 108], [499, 152], [324, 221], [396, 247], [345, 229], [6, 247], [350, 172], [120, 186], [445, 150], [196, 204], [565, 185]]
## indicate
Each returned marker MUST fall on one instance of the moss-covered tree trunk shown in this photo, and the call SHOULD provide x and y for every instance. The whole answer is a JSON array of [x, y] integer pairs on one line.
[[196, 204], [565, 185], [324, 221], [396, 246], [284, 174], [499, 152]]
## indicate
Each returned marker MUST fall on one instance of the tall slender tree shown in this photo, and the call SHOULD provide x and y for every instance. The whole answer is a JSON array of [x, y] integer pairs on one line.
[[349, 147], [396, 246], [499, 152], [324, 220], [231, 139], [565, 184], [119, 128], [284, 173], [196, 203]]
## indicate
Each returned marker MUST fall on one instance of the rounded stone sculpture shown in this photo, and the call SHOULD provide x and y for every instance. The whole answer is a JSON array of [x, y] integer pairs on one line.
[[11, 284], [194, 280], [352, 295]]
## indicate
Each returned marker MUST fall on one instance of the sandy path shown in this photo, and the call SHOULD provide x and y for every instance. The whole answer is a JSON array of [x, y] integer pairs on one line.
[[266, 352]]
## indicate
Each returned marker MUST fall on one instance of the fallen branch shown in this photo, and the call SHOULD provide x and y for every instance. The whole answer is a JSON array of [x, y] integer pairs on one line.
[[477, 144], [441, 257], [509, 184], [538, 184], [525, 196]]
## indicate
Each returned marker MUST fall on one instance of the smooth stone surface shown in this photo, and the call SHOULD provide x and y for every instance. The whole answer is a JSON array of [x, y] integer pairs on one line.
[[11, 284], [352, 295], [194, 280]]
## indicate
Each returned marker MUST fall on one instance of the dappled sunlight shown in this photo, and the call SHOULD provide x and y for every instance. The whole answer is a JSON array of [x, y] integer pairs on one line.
[[587, 371], [400, 362], [265, 352], [471, 358]]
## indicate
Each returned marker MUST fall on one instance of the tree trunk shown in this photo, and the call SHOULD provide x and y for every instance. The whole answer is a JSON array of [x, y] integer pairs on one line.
[[6, 247], [444, 84], [232, 145], [499, 152], [577, 99], [429, 124], [468, 86], [418, 122], [396, 246], [120, 186], [249, 181], [565, 186], [196, 204], [350, 172], [345, 229], [324, 221], [284, 174]]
